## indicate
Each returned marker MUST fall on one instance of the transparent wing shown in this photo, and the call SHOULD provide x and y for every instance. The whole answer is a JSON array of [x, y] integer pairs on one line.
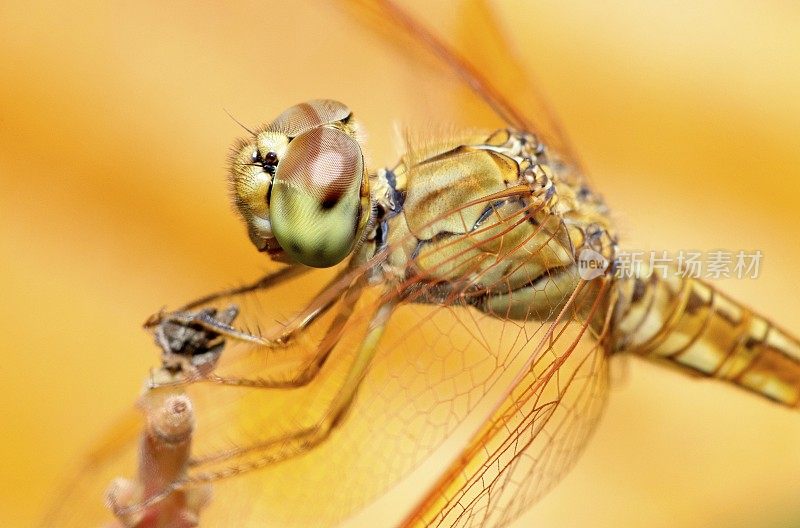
[[440, 368], [437, 369], [477, 52], [81, 502], [531, 440]]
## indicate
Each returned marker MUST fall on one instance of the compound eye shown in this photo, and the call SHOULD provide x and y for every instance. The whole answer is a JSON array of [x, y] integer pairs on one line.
[[305, 116], [317, 201]]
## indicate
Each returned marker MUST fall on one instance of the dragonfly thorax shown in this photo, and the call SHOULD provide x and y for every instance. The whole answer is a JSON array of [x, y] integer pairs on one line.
[[488, 219]]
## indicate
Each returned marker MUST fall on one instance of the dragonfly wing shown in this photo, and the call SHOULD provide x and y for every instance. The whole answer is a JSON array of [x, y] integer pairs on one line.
[[531, 440], [81, 501], [439, 368], [477, 52]]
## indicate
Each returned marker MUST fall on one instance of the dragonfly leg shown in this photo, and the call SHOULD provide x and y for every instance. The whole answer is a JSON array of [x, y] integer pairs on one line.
[[263, 283], [209, 321], [197, 370], [247, 458], [188, 315]]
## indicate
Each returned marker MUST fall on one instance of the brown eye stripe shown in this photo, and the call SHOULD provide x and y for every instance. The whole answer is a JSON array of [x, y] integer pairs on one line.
[[305, 116], [325, 162]]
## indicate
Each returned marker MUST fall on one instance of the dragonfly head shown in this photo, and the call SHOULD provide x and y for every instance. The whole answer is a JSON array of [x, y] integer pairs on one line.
[[301, 185]]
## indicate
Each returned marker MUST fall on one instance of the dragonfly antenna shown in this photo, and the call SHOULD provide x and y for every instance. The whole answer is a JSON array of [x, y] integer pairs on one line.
[[238, 122]]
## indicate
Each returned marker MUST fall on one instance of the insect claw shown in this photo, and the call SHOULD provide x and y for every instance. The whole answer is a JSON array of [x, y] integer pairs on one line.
[[156, 318]]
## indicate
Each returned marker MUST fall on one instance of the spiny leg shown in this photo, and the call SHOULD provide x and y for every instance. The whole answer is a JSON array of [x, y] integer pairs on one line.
[[179, 331], [266, 282], [295, 443], [201, 318], [162, 479], [308, 371]]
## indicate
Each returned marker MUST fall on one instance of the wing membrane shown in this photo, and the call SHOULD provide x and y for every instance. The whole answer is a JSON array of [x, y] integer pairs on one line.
[[436, 365], [439, 363], [81, 502], [478, 53], [531, 440]]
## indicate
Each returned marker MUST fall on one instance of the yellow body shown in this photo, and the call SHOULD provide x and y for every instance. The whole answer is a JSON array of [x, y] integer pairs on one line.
[[687, 323], [680, 321]]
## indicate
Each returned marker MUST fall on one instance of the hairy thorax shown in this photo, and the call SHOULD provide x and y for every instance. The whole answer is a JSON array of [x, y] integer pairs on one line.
[[491, 219]]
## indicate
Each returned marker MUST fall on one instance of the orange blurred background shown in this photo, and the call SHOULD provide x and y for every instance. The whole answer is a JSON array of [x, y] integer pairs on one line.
[[113, 144]]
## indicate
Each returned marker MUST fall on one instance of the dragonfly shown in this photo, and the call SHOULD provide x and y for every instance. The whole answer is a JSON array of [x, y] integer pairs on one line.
[[460, 306]]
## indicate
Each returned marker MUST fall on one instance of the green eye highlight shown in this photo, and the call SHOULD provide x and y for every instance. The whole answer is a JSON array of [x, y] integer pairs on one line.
[[316, 204]]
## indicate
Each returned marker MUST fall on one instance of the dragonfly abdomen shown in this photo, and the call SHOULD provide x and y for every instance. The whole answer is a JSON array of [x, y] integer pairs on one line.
[[687, 323]]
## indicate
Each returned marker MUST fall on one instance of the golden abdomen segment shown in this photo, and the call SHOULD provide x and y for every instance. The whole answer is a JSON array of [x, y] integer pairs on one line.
[[687, 323]]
